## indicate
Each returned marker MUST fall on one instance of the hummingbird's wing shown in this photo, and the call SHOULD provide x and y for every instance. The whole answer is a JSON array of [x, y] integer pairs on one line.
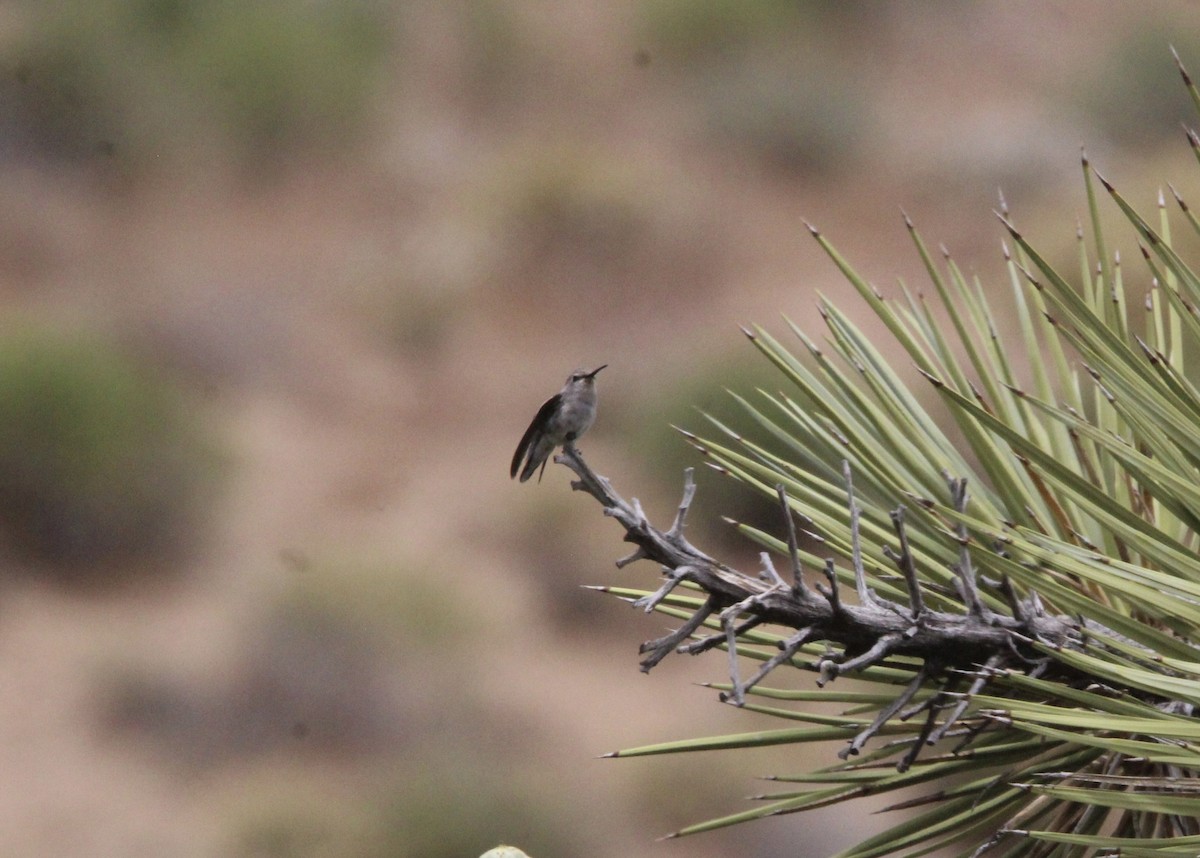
[[535, 428]]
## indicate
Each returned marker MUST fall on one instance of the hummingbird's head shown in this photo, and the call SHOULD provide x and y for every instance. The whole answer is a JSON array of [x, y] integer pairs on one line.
[[581, 377]]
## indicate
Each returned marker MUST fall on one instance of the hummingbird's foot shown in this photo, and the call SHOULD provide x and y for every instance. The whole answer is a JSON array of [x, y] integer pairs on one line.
[[568, 449]]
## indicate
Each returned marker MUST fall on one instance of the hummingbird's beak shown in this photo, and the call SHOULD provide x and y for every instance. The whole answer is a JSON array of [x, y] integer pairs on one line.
[[592, 374]]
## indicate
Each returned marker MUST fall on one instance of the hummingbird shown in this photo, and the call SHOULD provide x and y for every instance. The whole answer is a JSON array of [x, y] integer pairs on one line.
[[561, 420]]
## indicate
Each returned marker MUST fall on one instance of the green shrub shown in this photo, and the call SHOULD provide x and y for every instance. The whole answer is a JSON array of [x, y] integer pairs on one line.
[[687, 403], [464, 808], [694, 32], [780, 111], [1134, 98], [772, 80], [141, 78], [98, 460]]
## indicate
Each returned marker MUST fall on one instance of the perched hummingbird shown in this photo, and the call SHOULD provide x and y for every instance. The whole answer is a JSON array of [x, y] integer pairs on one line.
[[561, 420]]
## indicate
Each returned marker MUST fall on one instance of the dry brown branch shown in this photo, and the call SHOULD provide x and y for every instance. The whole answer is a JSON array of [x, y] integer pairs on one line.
[[978, 642]]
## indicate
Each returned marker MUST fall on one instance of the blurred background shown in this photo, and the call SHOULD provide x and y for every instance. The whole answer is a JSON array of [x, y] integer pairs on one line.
[[281, 285]]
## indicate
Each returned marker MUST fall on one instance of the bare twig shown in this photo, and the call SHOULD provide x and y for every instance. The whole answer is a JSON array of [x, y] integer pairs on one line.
[[904, 561], [922, 738], [638, 554], [964, 567], [769, 574], [787, 649], [689, 492], [793, 548], [708, 642], [1014, 603], [884, 646], [673, 576], [885, 714], [660, 648], [831, 594], [983, 677]]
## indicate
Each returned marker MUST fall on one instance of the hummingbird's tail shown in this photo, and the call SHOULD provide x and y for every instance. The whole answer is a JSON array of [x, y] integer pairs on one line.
[[536, 460]]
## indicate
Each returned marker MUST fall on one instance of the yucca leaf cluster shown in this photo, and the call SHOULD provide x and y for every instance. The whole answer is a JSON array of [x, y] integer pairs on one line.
[[1067, 487]]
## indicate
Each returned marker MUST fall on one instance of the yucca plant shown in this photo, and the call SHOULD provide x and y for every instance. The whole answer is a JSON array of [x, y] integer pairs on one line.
[[1023, 604]]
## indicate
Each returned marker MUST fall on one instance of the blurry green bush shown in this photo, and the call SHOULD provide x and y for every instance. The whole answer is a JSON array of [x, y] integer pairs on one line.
[[794, 114], [453, 806], [1131, 90], [685, 402], [774, 79], [463, 808], [588, 227], [148, 78], [693, 33], [99, 462]]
